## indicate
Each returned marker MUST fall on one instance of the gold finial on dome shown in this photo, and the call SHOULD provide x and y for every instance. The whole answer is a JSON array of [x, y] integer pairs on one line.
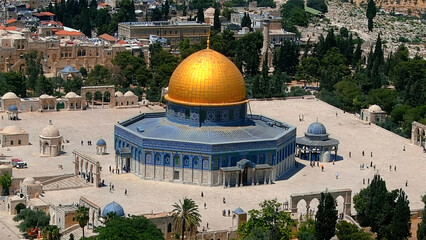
[[208, 40]]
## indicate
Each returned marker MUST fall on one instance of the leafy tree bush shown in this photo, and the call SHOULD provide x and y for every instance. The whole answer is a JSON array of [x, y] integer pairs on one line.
[[387, 213], [319, 5], [421, 228], [5, 182], [277, 224], [31, 219], [134, 227], [349, 231]]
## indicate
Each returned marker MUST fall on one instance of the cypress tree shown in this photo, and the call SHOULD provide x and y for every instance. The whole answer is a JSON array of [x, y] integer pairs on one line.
[[217, 24], [371, 13], [357, 54], [326, 217], [421, 230], [401, 222], [200, 15]]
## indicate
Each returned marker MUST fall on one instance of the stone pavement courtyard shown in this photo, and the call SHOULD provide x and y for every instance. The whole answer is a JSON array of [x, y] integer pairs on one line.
[[147, 196]]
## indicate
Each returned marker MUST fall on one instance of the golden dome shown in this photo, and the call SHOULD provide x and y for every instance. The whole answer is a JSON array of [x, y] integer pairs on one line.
[[207, 78]]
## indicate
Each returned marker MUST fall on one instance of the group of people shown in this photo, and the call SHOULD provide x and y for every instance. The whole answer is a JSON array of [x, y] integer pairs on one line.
[[89, 143], [114, 170]]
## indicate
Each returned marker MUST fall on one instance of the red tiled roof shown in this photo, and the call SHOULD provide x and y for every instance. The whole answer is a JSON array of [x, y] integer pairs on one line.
[[102, 4], [69, 33], [108, 37], [12, 20], [40, 14], [121, 42], [11, 28]]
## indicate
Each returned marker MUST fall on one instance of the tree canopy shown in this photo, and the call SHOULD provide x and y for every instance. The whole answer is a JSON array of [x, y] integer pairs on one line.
[[5, 182], [134, 227], [326, 217], [269, 220], [31, 219], [186, 216]]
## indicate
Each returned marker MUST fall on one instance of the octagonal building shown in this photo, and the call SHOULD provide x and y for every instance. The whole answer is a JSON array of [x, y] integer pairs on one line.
[[206, 136]]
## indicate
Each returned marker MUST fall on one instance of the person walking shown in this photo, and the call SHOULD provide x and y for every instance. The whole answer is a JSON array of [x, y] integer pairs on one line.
[[205, 205], [406, 183], [394, 168], [224, 202], [125, 191], [363, 153], [202, 194]]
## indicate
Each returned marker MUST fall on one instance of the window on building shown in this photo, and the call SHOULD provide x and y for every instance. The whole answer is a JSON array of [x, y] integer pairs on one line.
[[169, 227], [11, 142], [19, 142]]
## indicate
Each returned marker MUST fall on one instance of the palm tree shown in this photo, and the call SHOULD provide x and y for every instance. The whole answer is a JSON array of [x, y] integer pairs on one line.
[[110, 216], [185, 215], [51, 232], [82, 217]]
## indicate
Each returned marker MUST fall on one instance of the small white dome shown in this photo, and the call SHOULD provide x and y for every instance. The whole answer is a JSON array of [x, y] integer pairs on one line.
[[50, 131], [44, 96], [129, 94], [28, 180], [209, 11], [9, 95], [375, 108], [118, 94], [13, 130], [71, 95]]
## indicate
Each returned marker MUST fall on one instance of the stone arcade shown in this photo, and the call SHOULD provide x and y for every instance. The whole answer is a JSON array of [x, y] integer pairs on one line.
[[205, 136]]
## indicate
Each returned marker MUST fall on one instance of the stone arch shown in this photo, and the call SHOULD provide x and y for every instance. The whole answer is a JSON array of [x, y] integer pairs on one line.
[[87, 168], [302, 207], [340, 201], [346, 194]]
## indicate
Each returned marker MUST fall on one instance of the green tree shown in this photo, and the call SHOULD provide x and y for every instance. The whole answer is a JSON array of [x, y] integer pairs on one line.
[[307, 229], [385, 98], [6, 182], [421, 227], [166, 9], [44, 86], [31, 219], [216, 22], [82, 217], [288, 57], [186, 216], [401, 222], [156, 15], [268, 219], [309, 69], [326, 217], [347, 91], [15, 82], [348, 231], [226, 12], [51, 232], [134, 227], [33, 69], [248, 53], [246, 21], [200, 15], [100, 75], [371, 13]]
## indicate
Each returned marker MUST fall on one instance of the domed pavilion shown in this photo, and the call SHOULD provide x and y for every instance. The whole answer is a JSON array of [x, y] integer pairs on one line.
[[206, 136], [373, 114], [316, 145], [50, 141]]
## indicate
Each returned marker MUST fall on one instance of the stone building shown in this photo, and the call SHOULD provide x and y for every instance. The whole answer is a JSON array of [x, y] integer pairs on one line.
[[174, 32], [12, 136], [47, 103], [63, 215], [373, 114], [73, 101], [31, 188], [128, 99], [205, 136], [9, 99], [50, 141]]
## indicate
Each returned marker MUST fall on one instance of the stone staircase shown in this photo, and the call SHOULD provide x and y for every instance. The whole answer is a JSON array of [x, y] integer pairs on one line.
[[77, 232], [66, 183]]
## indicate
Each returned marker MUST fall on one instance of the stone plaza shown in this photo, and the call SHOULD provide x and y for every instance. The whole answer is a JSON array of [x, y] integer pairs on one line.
[[383, 148]]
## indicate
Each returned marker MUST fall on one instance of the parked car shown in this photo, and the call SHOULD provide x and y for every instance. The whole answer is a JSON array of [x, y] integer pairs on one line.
[[22, 164]]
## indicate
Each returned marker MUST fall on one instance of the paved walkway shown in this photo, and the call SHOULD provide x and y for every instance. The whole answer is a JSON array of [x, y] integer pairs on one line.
[[146, 196]]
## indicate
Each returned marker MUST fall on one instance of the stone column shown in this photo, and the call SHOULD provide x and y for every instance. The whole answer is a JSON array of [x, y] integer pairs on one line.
[[241, 178], [264, 176], [223, 179], [238, 179], [270, 176], [229, 178], [103, 99], [252, 176]]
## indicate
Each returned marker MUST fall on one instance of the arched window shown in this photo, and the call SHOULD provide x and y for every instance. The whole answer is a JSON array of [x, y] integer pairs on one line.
[[176, 160], [169, 227]]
